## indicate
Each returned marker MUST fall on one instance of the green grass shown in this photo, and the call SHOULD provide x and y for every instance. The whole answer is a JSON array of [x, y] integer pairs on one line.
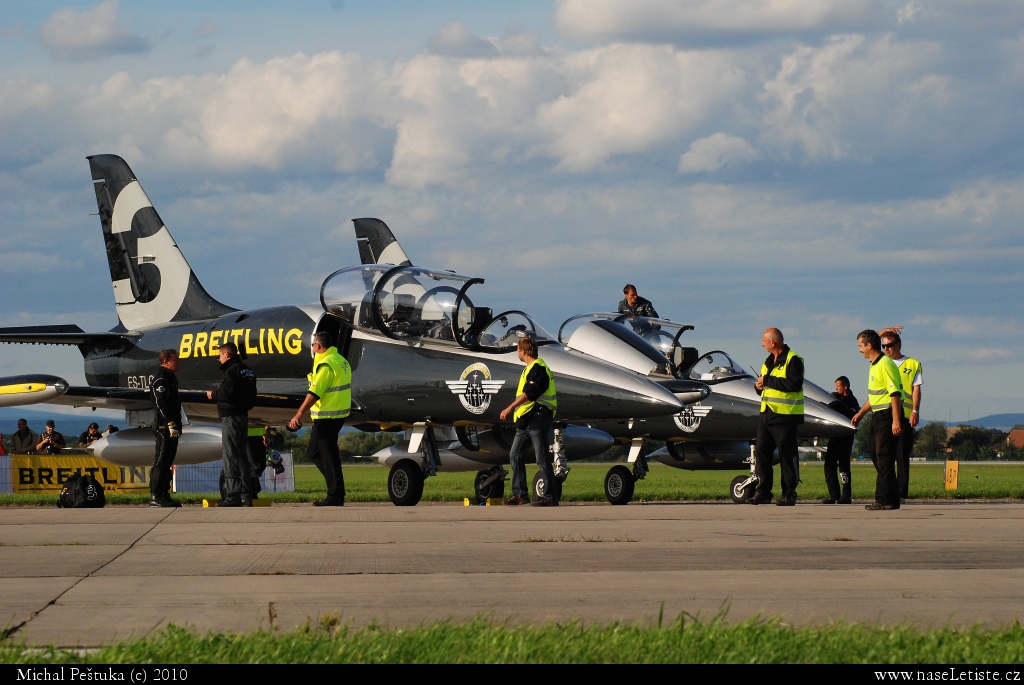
[[686, 640], [368, 483]]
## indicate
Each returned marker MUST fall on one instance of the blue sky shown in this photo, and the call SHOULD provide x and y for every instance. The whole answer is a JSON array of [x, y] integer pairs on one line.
[[821, 166]]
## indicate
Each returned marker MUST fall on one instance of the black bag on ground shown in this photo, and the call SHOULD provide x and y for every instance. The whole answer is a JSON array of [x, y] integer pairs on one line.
[[81, 492]]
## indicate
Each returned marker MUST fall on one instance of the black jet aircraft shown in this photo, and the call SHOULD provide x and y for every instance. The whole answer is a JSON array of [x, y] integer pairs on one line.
[[712, 434], [715, 429], [423, 354]]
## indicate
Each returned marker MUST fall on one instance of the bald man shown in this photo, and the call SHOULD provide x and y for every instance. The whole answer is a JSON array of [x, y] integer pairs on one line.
[[781, 387]]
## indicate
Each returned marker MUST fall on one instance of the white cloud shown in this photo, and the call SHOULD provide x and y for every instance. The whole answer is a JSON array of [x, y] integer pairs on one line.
[[455, 40], [93, 34], [716, 151], [609, 20]]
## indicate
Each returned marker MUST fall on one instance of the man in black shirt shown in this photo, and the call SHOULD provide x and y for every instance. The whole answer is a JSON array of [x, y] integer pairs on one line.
[[50, 441], [24, 439], [234, 417], [837, 454], [91, 435], [167, 429]]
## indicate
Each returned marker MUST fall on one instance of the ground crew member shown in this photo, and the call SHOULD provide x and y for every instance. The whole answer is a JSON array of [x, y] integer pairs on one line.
[[232, 397], [837, 454], [781, 387], [533, 412], [167, 429], [885, 402], [912, 377], [329, 401]]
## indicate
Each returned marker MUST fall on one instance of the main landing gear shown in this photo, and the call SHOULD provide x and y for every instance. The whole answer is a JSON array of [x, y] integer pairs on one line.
[[405, 482], [620, 482]]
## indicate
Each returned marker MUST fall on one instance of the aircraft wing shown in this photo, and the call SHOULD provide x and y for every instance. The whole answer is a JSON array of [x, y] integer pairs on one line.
[[18, 391], [65, 334]]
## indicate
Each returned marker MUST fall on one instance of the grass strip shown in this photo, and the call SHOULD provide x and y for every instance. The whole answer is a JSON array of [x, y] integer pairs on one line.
[[368, 483], [685, 640]]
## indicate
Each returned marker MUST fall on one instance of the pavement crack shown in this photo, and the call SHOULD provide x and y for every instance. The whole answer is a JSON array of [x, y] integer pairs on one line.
[[11, 631]]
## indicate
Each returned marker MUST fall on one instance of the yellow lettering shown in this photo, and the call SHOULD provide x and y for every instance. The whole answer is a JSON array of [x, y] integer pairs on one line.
[[185, 349], [200, 346], [249, 349], [275, 339], [293, 341], [262, 330], [215, 340], [236, 333]]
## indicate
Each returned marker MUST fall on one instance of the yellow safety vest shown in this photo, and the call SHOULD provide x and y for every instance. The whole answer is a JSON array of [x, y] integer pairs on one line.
[[908, 372], [780, 401], [331, 381], [883, 381], [547, 399]]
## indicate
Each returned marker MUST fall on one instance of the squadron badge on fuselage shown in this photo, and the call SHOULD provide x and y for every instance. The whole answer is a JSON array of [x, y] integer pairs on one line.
[[689, 419], [475, 388]]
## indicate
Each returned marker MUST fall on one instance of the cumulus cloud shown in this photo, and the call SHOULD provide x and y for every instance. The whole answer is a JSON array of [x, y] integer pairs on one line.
[[455, 40], [93, 34], [716, 151], [714, 20]]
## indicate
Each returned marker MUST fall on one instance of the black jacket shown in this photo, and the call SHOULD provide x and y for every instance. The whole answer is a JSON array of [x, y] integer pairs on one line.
[[165, 395], [643, 307], [229, 393], [793, 382], [847, 405]]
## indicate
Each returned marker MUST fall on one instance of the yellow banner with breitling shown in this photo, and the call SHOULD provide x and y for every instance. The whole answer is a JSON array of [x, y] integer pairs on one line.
[[39, 474]]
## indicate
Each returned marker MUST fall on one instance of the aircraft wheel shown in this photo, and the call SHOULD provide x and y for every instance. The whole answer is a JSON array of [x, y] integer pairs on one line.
[[491, 490], [619, 484], [540, 488], [405, 483], [739, 493]]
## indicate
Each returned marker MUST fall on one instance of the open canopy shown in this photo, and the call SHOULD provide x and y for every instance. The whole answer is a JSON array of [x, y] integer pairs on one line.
[[415, 304]]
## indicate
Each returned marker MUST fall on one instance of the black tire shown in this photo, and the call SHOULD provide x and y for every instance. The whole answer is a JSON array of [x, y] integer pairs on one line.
[[619, 484], [540, 488], [490, 491], [405, 483], [741, 494]]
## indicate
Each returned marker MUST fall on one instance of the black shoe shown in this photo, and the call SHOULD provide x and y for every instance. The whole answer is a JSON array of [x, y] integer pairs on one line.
[[515, 500], [844, 500], [161, 503], [544, 502], [329, 503], [230, 503], [786, 502], [878, 506], [758, 499], [829, 500]]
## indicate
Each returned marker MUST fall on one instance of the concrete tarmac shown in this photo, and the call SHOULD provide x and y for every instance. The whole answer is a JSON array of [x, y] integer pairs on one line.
[[89, 577]]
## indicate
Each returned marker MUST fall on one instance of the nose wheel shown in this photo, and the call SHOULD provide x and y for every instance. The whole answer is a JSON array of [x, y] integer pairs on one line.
[[619, 484], [541, 487], [742, 488]]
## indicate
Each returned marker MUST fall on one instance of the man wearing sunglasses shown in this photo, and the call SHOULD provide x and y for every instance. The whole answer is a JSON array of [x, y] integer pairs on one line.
[[912, 375]]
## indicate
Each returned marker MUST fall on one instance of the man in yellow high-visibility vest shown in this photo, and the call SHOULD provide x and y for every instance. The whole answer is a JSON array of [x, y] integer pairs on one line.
[[781, 387], [885, 402], [912, 377], [329, 401], [533, 411]]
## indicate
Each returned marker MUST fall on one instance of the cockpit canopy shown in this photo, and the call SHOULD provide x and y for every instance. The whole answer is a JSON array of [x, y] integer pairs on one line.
[[645, 345], [415, 304]]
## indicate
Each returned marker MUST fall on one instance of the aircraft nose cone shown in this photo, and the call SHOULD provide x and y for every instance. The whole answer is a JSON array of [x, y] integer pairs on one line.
[[823, 422], [687, 391]]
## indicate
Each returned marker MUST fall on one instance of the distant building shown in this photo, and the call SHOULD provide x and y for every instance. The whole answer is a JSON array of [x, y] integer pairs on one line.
[[1016, 438]]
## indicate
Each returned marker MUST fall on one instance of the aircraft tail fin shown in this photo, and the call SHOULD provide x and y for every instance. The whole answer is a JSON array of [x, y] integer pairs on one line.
[[377, 244], [153, 284]]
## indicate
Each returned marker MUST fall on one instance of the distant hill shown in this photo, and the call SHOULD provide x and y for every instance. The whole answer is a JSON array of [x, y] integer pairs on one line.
[[998, 421]]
